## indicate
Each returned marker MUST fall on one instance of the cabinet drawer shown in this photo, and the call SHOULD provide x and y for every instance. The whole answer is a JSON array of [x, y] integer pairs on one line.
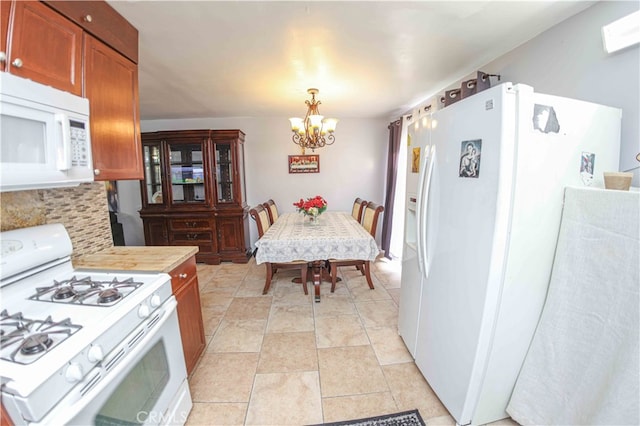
[[193, 237], [189, 224], [204, 248], [183, 273]]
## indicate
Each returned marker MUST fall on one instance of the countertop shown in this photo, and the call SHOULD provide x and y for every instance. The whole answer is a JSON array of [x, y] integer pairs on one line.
[[137, 258]]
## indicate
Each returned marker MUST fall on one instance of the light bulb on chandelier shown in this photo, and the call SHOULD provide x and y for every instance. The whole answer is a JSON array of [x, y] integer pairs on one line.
[[313, 131]]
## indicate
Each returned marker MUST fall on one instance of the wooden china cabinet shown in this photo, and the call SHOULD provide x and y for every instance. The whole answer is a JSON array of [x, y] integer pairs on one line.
[[193, 193]]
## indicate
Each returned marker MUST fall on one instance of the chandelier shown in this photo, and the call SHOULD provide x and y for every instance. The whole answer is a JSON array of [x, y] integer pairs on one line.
[[313, 131]]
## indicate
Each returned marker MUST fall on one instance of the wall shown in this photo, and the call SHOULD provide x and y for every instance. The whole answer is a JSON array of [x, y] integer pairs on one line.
[[82, 210], [354, 166], [569, 60]]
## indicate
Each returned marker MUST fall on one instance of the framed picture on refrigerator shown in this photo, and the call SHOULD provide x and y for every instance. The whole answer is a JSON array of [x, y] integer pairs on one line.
[[415, 160], [470, 152]]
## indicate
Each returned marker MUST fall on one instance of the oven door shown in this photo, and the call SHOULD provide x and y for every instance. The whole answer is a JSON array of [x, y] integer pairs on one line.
[[147, 387]]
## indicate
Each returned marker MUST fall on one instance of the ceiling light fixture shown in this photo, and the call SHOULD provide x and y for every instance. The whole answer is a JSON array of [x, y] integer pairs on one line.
[[313, 131]]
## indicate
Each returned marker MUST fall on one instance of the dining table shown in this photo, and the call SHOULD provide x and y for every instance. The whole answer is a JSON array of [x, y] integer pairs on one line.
[[332, 235]]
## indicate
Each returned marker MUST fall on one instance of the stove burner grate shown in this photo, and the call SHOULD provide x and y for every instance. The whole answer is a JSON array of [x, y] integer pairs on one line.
[[24, 340], [86, 291], [35, 344]]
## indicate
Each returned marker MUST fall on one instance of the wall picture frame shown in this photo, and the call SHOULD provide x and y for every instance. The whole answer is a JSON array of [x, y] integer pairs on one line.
[[304, 163]]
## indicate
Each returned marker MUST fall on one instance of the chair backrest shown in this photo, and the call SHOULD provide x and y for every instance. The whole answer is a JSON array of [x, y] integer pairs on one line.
[[358, 208], [260, 215], [370, 218], [272, 210]]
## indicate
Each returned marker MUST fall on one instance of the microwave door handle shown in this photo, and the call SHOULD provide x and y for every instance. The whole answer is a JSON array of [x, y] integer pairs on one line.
[[63, 148]]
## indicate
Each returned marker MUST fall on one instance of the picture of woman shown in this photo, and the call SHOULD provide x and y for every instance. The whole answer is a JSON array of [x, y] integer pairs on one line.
[[470, 158]]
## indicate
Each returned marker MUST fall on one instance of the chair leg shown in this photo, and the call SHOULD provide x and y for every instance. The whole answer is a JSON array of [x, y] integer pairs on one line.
[[303, 277], [334, 276], [360, 268], [367, 269], [267, 281]]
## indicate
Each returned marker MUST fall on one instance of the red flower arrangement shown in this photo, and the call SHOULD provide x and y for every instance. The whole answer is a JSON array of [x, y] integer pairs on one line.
[[312, 206]]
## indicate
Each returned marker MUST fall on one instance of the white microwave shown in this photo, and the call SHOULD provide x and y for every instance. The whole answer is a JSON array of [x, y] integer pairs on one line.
[[44, 136]]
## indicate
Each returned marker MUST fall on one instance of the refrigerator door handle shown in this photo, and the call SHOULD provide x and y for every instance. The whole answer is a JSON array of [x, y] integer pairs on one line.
[[422, 210]]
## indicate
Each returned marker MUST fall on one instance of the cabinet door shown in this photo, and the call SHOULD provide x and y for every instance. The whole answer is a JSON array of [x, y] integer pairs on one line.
[[155, 232], [230, 235], [45, 46], [184, 282], [152, 186], [111, 84], [225, 173], [191, 325], [5, 10], [187, 173], [240, 172], [5, 420]]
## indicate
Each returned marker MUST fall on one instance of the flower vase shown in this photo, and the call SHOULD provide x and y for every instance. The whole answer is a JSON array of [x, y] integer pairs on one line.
[[313, 219]]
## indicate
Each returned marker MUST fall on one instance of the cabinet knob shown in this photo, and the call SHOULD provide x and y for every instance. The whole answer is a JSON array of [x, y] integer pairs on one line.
[[17, 63], [182, 275], [96, 172], [3, 57], [88, 18]]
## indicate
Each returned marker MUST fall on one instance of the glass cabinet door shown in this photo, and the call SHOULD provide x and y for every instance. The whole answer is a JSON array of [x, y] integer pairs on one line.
[[243, 186], [187, 173], [153, 173], [224, 173]]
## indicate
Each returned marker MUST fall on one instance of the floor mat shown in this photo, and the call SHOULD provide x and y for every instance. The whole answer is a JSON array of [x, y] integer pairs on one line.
[[406, 418]]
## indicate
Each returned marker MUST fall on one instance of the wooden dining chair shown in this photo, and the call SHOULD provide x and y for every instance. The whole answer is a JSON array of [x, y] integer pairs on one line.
[[358, 208], [261, 216], [369, 222], [272, 210]]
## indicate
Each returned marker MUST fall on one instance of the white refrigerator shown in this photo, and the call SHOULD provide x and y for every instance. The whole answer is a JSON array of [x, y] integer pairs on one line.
[[482, 220]]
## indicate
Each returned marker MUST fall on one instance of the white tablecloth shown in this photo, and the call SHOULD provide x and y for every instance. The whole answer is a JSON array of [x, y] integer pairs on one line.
[[583, 364], [337, 236]]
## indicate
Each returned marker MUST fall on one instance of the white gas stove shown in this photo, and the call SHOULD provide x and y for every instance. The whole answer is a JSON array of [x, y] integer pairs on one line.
[[68, 336]]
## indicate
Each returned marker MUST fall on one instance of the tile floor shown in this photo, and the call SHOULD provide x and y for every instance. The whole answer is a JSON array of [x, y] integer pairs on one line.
[[281, 359]]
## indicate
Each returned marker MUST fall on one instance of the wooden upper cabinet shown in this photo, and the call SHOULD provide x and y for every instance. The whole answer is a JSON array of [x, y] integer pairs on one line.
[[111, 84], [102, 21], [5, 10], [43, 46]]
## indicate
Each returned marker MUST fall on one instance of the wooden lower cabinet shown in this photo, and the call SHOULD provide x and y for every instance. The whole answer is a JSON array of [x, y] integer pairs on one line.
[[220, 236], [156, 233], [232, 233], [4, 418], [184, 282]]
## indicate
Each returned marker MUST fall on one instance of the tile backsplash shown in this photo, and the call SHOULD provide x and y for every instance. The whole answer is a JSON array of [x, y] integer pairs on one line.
[[82, 210]]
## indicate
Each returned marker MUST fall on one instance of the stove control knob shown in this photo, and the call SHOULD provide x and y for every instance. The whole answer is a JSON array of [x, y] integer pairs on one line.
[[95, 354], [155, 301], [143, 311], [73, 373]]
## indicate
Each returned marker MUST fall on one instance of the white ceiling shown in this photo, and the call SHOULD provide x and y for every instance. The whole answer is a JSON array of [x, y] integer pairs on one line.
[[368, 59]]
